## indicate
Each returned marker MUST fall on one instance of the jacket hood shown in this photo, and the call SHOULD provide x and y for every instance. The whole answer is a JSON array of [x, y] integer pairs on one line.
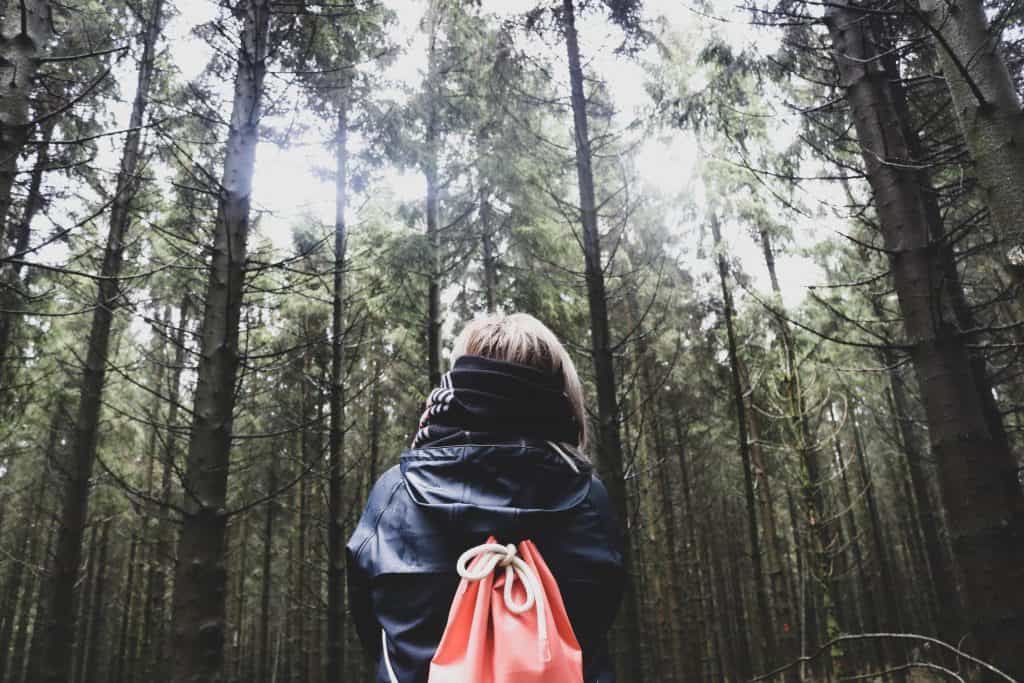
[[505, 481]]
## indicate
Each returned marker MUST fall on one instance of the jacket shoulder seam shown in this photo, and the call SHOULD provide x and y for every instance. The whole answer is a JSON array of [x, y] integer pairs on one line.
[[376, 522]]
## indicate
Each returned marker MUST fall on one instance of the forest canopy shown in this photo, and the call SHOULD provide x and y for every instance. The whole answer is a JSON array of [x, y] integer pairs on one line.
[[782, 241]]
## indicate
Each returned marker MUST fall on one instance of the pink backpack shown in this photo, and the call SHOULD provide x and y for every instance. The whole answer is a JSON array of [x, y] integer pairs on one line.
[[509, 628]]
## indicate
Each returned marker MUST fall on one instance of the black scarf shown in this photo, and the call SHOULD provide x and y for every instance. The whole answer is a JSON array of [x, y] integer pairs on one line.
[[482, 400]]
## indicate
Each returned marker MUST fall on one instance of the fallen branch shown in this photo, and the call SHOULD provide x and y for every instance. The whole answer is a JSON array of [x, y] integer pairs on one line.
[[875, 636]]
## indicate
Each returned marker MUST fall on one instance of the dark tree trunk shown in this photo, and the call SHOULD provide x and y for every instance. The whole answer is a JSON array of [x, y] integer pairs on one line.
[[25, 32], [13, 583], [121, 656], [33, 663], [11, 590], [200, 577], [767, 629], [302, 597], [989, 112], [490, 260], [864, 599], [609, 441], [267, 579], [942, 571], [91, 669], [243, 571], [27, 608], [154, 649], [978, 474], [664, 514], [75, 497], [431, 172], [82, 637], [375, 422], [10, 273], [335, 653], [893, 623]]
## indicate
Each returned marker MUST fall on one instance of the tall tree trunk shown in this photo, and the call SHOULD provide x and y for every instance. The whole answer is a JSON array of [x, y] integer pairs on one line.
[[121, 656], [25, 31], [10, 273], [91, 669], [11, 590], [788, 647], [267, 577], [335, 654], [243, 571], [942, 571], [695, 638], [609, 444], [33, 658], [767, 630], [893, 622], [431, 172], [812, 499], [301, 590], [200, 577], [75, 497], [154, 647], [490, 260], [28, 605], [375, 420], [664, 515], [978, 474], [152, 517], [989, 112], [26, 547], [82, 637], [864, 598]]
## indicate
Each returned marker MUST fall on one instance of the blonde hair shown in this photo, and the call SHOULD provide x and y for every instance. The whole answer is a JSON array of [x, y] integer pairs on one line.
[[521, 338]]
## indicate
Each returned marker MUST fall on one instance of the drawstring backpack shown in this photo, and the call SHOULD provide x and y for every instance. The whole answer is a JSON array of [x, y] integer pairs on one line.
[[510, 628]]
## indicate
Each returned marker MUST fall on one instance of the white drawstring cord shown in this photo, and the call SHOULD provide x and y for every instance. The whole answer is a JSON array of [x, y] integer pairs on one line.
[[387, 660], [495, 555]]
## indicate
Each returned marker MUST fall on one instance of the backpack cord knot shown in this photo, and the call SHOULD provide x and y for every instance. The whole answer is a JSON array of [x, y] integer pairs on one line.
[[493, 555]]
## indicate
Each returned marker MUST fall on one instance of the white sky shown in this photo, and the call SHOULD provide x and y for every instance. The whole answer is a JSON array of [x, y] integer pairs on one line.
[[286, 187]]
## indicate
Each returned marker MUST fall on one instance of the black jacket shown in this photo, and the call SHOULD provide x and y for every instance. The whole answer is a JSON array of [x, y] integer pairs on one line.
[[423, 513]]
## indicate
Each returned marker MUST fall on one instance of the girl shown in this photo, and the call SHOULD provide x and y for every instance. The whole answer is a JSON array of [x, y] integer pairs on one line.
[[498, 452]]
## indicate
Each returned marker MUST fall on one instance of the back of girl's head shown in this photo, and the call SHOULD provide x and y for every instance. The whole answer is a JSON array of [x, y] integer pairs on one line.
[[521, 338]]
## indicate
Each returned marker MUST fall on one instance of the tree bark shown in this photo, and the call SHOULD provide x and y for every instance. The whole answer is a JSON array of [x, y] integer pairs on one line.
[[75, 498], [10, 273], [893, 623], [33, 663], [266, 576], [431, 172], [335, 652], [12, 585], [789, 647], [609, 444], [767, 630], [978, 474], [699, 643], [121, 656], [490, 260], [82, 622], [200, 577], [28, 606], [243, 571], [989, 113], [154, 647], [91, 669], [864, 602], [24, 34], [943, 572]]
